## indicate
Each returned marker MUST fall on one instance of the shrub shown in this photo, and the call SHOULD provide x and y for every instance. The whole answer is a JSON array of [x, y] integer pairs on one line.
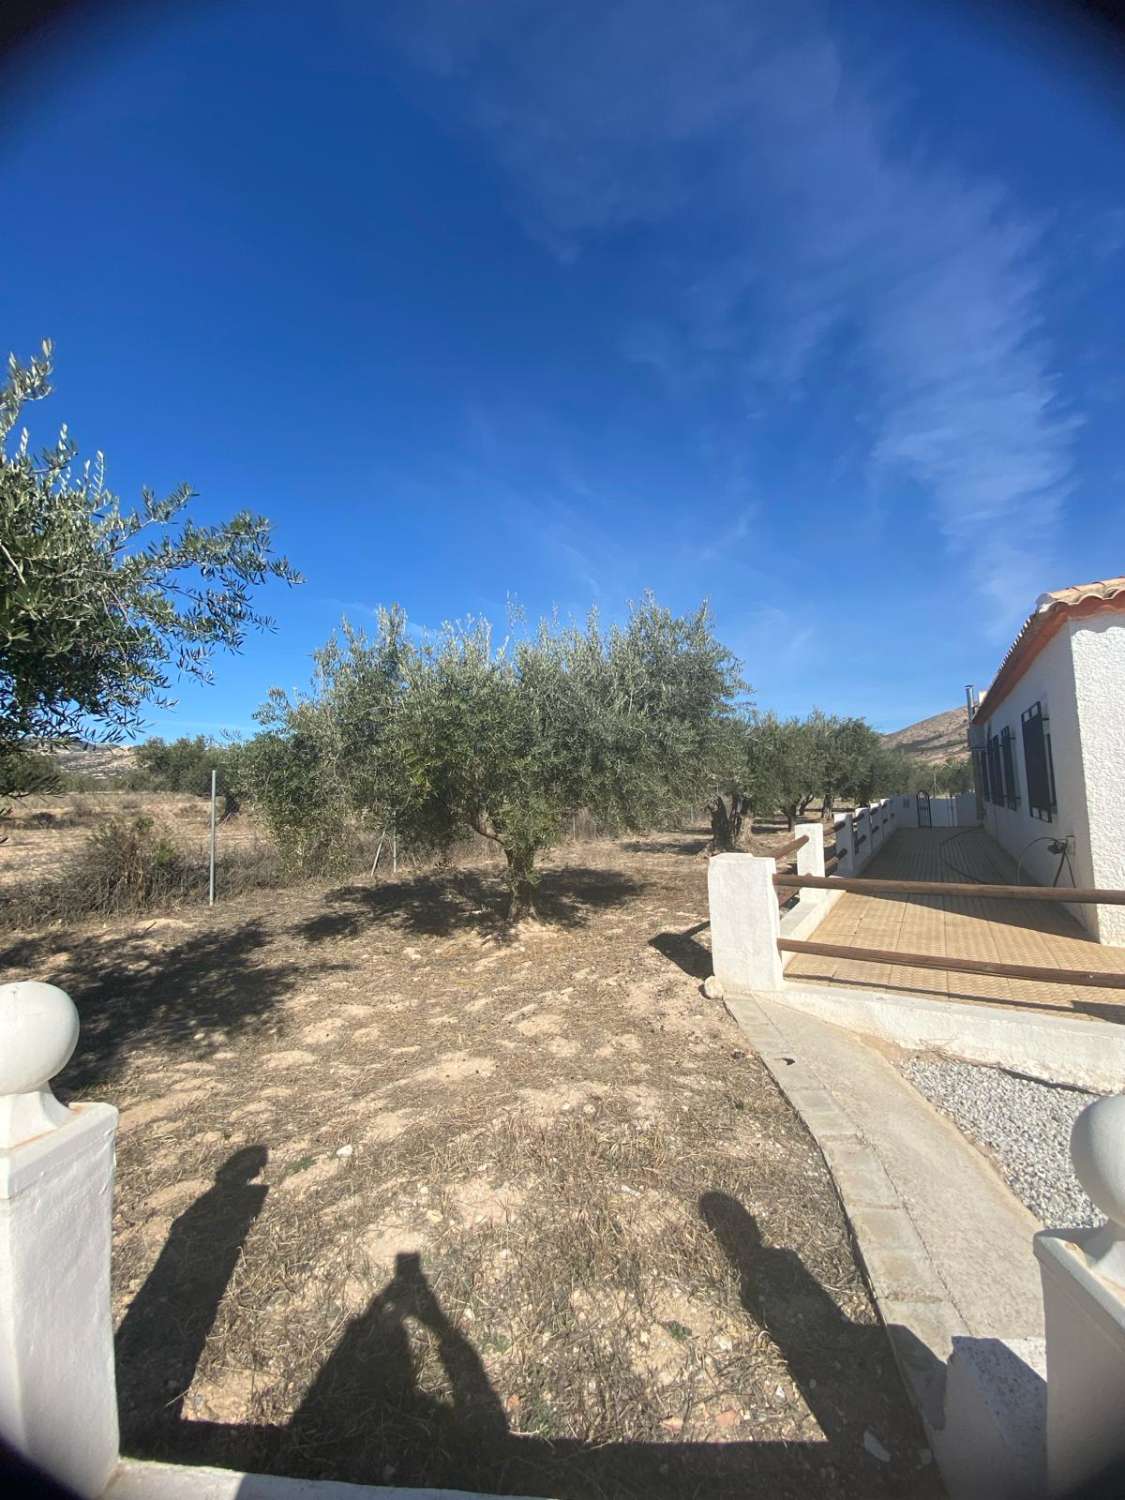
[[27, 772], [131, 864]]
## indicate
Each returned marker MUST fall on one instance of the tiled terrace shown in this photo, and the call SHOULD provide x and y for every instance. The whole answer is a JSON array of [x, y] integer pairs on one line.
[[1021, 932]]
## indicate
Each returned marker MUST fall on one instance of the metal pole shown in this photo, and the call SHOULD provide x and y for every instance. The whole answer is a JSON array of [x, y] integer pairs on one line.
[[211, 882]]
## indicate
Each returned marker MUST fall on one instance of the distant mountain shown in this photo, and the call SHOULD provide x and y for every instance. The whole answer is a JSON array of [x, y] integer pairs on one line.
[[940, 737]]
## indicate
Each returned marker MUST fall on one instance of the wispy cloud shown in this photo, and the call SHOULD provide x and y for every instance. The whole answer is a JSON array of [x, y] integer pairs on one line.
[[350, 607], [803, 211]]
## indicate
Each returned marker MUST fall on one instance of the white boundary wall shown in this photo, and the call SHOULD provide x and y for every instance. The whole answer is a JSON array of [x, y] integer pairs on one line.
[[874, 825], [860, 835], [1084, 1054]]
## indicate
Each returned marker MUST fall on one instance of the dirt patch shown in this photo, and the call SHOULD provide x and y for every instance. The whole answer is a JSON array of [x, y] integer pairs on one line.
[[294, 1058], [540, 1226], [454, 1067]]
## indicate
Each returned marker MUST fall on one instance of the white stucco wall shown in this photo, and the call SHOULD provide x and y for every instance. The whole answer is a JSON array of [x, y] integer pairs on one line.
[[1098, 653], [873, 827], [1050, 681], [57, 1402]]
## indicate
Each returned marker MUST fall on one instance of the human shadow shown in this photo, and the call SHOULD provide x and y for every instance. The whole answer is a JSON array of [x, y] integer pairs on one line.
[[366, 1417], [131, 990], [161, 1337], [439, 904], [369, 1385], [836, 1364]]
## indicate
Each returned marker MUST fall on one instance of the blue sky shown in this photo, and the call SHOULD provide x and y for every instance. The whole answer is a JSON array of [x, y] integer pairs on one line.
[[815, 310]]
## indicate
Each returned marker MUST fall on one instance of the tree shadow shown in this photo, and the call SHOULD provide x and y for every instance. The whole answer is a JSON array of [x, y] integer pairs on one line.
[[690, 844], [365, 1419], [439, 905], [145, 992], [769, 825]]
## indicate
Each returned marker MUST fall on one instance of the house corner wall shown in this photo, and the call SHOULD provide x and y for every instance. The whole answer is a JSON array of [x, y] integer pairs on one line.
[[1049, 681], [1097, 647]]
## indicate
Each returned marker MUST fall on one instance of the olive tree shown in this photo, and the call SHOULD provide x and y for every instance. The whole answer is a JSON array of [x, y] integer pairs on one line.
[[776, 765], [854, 761], [785, 763], [463, 733], [330, 760], [954, 775], [99, 605]]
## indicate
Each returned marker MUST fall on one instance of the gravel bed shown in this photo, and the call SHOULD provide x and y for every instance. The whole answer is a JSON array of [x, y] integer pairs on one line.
[[1022, 1124]]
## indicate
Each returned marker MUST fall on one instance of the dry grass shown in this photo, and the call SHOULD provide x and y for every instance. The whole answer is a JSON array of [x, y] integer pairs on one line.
[[577, 1244], [44, 834]]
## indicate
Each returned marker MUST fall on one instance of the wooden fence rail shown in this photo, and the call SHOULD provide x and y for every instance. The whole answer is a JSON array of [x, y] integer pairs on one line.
[[1078, 895], [1092, 977], [791, 847]]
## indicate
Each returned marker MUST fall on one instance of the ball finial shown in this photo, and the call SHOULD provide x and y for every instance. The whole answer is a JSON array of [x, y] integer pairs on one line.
[[1097, 1149], [38, 1034]]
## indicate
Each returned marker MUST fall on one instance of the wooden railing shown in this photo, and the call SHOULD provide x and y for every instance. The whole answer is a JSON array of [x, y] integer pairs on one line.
[[787, 851], [791, 847], [1074, 895]]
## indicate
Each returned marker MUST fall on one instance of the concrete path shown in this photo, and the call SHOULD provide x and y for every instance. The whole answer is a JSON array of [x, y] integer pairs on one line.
[[946, 1246]]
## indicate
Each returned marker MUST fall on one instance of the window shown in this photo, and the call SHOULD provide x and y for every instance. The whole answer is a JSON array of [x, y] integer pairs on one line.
[[1039, 764], [1008, 762], [982, 774], [995, 773]]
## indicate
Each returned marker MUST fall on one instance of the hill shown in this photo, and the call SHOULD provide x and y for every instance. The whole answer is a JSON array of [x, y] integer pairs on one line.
[[939, 738], [100, 763]]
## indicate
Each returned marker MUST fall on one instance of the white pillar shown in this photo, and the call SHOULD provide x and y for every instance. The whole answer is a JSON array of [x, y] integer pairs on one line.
[[1083, 1275], [745, 923], [861, 838], [845, 852], [58, 1405], [810, 860], [810, 856]]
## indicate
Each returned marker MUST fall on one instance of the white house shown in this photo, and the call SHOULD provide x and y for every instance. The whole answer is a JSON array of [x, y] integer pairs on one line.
[[1048, 744]]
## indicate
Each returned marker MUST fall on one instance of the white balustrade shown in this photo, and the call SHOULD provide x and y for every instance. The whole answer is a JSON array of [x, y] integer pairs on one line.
[[1083, 1272], [58, 1405]]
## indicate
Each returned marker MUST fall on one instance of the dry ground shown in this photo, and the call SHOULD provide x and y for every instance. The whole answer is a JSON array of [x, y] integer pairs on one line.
[[400, 1199], [41, 834]]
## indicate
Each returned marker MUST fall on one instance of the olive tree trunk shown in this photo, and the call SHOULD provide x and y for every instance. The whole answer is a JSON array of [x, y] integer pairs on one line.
[[521, 882], [727, 823]]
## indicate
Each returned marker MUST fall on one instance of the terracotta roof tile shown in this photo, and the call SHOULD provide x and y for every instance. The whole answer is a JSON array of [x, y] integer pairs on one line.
[[1102, 588], [1050, 608]]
